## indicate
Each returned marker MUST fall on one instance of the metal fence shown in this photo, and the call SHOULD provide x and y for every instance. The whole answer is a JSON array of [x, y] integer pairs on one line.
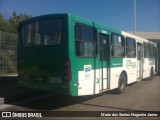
[[8, 54]]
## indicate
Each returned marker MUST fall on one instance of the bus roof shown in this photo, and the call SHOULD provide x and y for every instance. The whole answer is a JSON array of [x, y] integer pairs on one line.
[[97, 25], [74, 17]]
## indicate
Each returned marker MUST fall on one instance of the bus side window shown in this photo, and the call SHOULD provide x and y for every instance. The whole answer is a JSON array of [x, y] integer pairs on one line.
[[117, 45], [151, 51], [146, 51], [85, 41], [130, 48]]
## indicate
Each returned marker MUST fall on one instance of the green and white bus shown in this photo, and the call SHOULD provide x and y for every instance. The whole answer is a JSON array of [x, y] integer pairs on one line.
[[67, 54]]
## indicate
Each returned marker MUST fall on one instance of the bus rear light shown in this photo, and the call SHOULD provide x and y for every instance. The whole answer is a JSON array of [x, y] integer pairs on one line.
[[67, 70]]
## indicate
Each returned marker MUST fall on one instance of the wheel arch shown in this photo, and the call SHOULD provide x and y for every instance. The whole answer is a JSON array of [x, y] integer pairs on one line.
[[151, 73], [125, 75], [122, 82], [152, 68]]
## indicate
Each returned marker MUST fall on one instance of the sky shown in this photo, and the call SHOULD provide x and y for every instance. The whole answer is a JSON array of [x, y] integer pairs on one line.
[[118, 14]]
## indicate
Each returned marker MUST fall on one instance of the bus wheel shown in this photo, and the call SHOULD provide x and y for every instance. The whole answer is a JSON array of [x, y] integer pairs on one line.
[[151, 75], [122, 83]]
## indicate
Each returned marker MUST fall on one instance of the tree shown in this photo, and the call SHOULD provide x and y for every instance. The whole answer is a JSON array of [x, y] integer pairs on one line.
[[10, 24], [8, 42], [3, 23]]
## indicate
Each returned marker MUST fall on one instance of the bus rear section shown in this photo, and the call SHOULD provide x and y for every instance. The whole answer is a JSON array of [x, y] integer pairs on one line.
[[42, 54]]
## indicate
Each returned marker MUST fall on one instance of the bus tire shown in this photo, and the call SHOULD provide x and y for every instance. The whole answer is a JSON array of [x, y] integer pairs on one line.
[[151, 74], [122, 83]]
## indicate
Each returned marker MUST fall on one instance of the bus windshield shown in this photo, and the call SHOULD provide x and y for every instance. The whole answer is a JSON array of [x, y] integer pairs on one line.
[[42, 32]]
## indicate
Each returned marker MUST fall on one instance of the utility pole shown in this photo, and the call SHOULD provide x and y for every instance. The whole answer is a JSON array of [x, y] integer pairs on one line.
[[135, 17]]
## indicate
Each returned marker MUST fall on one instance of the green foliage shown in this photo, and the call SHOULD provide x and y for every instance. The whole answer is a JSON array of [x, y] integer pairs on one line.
[[10, 24], [8, 54]]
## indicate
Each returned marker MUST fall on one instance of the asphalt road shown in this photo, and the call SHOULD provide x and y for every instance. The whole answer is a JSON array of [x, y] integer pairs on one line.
[[141, 96]]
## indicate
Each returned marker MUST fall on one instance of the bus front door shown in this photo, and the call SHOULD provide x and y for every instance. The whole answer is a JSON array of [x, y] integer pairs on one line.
[[104, 57]]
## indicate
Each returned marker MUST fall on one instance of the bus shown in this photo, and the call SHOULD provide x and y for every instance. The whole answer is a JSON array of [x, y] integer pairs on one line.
[[67, 54]]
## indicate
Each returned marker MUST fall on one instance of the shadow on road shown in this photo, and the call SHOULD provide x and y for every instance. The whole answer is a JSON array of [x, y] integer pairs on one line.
[[10, 91], [48, 103], [55, 102]]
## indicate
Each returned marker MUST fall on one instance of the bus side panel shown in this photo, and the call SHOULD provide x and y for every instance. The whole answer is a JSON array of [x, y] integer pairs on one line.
[[116, 69], [83, 68], [86, 81], [130, 66], [146, 68], [115, 74], [89, 81]]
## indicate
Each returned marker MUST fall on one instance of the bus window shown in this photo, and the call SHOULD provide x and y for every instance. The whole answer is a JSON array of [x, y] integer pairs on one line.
[[151, 51], [130, 48], [43, 32], [146, 50], [85, 45], [117, 46]]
